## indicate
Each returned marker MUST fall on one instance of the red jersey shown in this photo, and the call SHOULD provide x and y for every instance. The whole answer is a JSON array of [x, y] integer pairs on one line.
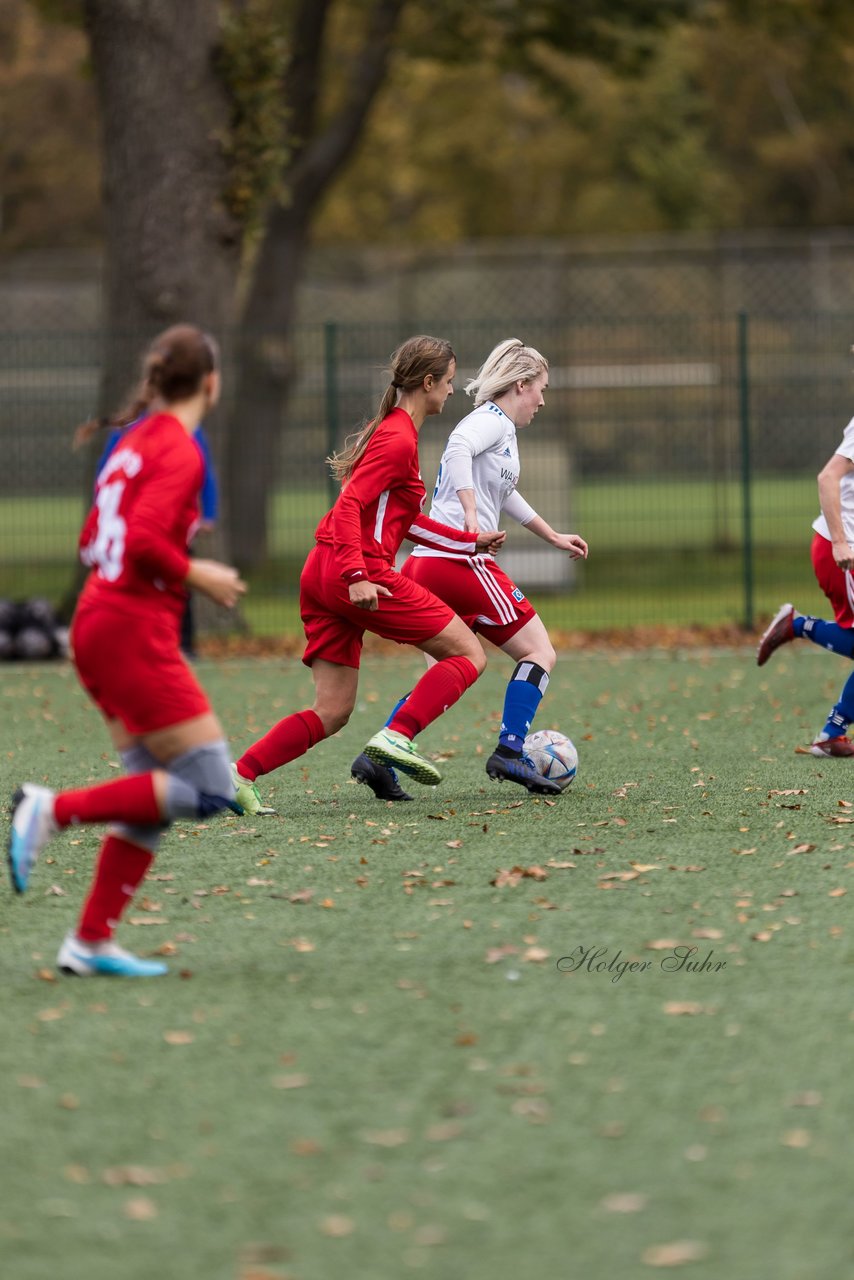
[[146, 508], [380, 504]]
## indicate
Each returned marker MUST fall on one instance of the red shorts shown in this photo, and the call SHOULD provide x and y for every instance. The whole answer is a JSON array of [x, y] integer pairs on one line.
[[837, 584], [131, 666], [334, 627], [478, 590]]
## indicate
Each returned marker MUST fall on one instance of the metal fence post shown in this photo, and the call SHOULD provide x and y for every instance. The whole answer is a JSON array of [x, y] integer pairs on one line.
[[330, 375], [746, 477]]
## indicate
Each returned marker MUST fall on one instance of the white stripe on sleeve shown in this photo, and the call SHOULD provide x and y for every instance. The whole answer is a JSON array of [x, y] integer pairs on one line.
[[378, 525], [431, 538]]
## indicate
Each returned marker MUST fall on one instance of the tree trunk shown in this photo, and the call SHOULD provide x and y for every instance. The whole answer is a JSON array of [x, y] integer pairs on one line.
[[171, 249], [266, 348], [264, 357]]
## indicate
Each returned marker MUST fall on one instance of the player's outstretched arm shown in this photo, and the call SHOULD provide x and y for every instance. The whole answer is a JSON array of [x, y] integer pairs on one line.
[[218, 581], [571, 542]]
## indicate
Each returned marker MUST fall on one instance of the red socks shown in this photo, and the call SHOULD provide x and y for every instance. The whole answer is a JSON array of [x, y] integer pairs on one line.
[[439, 688], [128, 799], [287, 740], [119, 872]]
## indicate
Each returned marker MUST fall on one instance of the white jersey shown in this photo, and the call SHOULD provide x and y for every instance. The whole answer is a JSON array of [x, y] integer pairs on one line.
[[846, 491], [481, 454]]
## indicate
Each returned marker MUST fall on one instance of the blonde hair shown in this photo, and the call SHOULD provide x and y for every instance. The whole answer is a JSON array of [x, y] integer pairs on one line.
[[511, 361], [410, 364]]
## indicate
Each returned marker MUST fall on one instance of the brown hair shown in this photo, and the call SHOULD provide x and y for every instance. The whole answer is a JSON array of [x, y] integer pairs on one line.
[[172, 369], [410, 364]]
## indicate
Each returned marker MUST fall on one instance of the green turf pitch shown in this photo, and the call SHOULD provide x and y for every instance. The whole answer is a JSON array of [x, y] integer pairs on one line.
[[367, 1062]]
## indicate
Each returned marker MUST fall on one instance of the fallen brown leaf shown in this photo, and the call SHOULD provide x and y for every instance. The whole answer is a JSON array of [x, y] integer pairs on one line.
[[386, 1137], [52, 1015], [337, 1224], [674, 1254], [809, 1098], [305, 1147], [494, 954], [444, 1131], [140, 1209], [178, 1037], [796, 1138], [297, 1080], [623, 1202], [133, 1175]]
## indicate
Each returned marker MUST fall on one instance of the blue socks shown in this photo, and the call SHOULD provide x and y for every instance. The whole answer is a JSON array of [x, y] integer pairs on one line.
[[828, 635], [524, 694], [843, 713], [396, 708]]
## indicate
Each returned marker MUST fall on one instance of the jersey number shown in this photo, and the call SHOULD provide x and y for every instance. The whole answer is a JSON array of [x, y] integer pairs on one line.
[[107, 550], [438, 480]]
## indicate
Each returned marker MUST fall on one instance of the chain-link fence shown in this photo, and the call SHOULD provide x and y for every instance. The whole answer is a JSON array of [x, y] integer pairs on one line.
[[683, 448]]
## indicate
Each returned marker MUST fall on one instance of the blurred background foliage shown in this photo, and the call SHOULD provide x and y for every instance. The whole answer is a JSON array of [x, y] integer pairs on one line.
[[444, 166], [497, 118]]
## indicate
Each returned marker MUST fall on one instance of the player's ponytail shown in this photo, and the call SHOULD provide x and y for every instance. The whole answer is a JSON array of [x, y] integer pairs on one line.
[[409, 366], [511, 361], [172, 370]]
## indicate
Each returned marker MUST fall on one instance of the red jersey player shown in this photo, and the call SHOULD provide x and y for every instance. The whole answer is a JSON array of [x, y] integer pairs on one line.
[[477, 484], [349, 584], [125, 642]]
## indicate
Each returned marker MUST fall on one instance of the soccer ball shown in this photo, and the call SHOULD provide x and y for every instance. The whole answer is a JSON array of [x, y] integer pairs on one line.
[[552, 755]]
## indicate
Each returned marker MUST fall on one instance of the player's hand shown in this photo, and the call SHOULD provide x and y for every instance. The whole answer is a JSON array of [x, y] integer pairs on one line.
[[843, 555], [220, 582], [470, 523], [573, 543], [365, 595], [490, 540]]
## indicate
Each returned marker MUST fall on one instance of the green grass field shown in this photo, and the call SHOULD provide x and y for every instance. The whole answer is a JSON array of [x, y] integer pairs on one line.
[[661, 552], [366, 1061], [659, 514]]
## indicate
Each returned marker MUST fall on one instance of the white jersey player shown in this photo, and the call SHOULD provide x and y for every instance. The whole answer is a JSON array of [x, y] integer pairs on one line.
[[832, 555], [476, 485], [481, 456]]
